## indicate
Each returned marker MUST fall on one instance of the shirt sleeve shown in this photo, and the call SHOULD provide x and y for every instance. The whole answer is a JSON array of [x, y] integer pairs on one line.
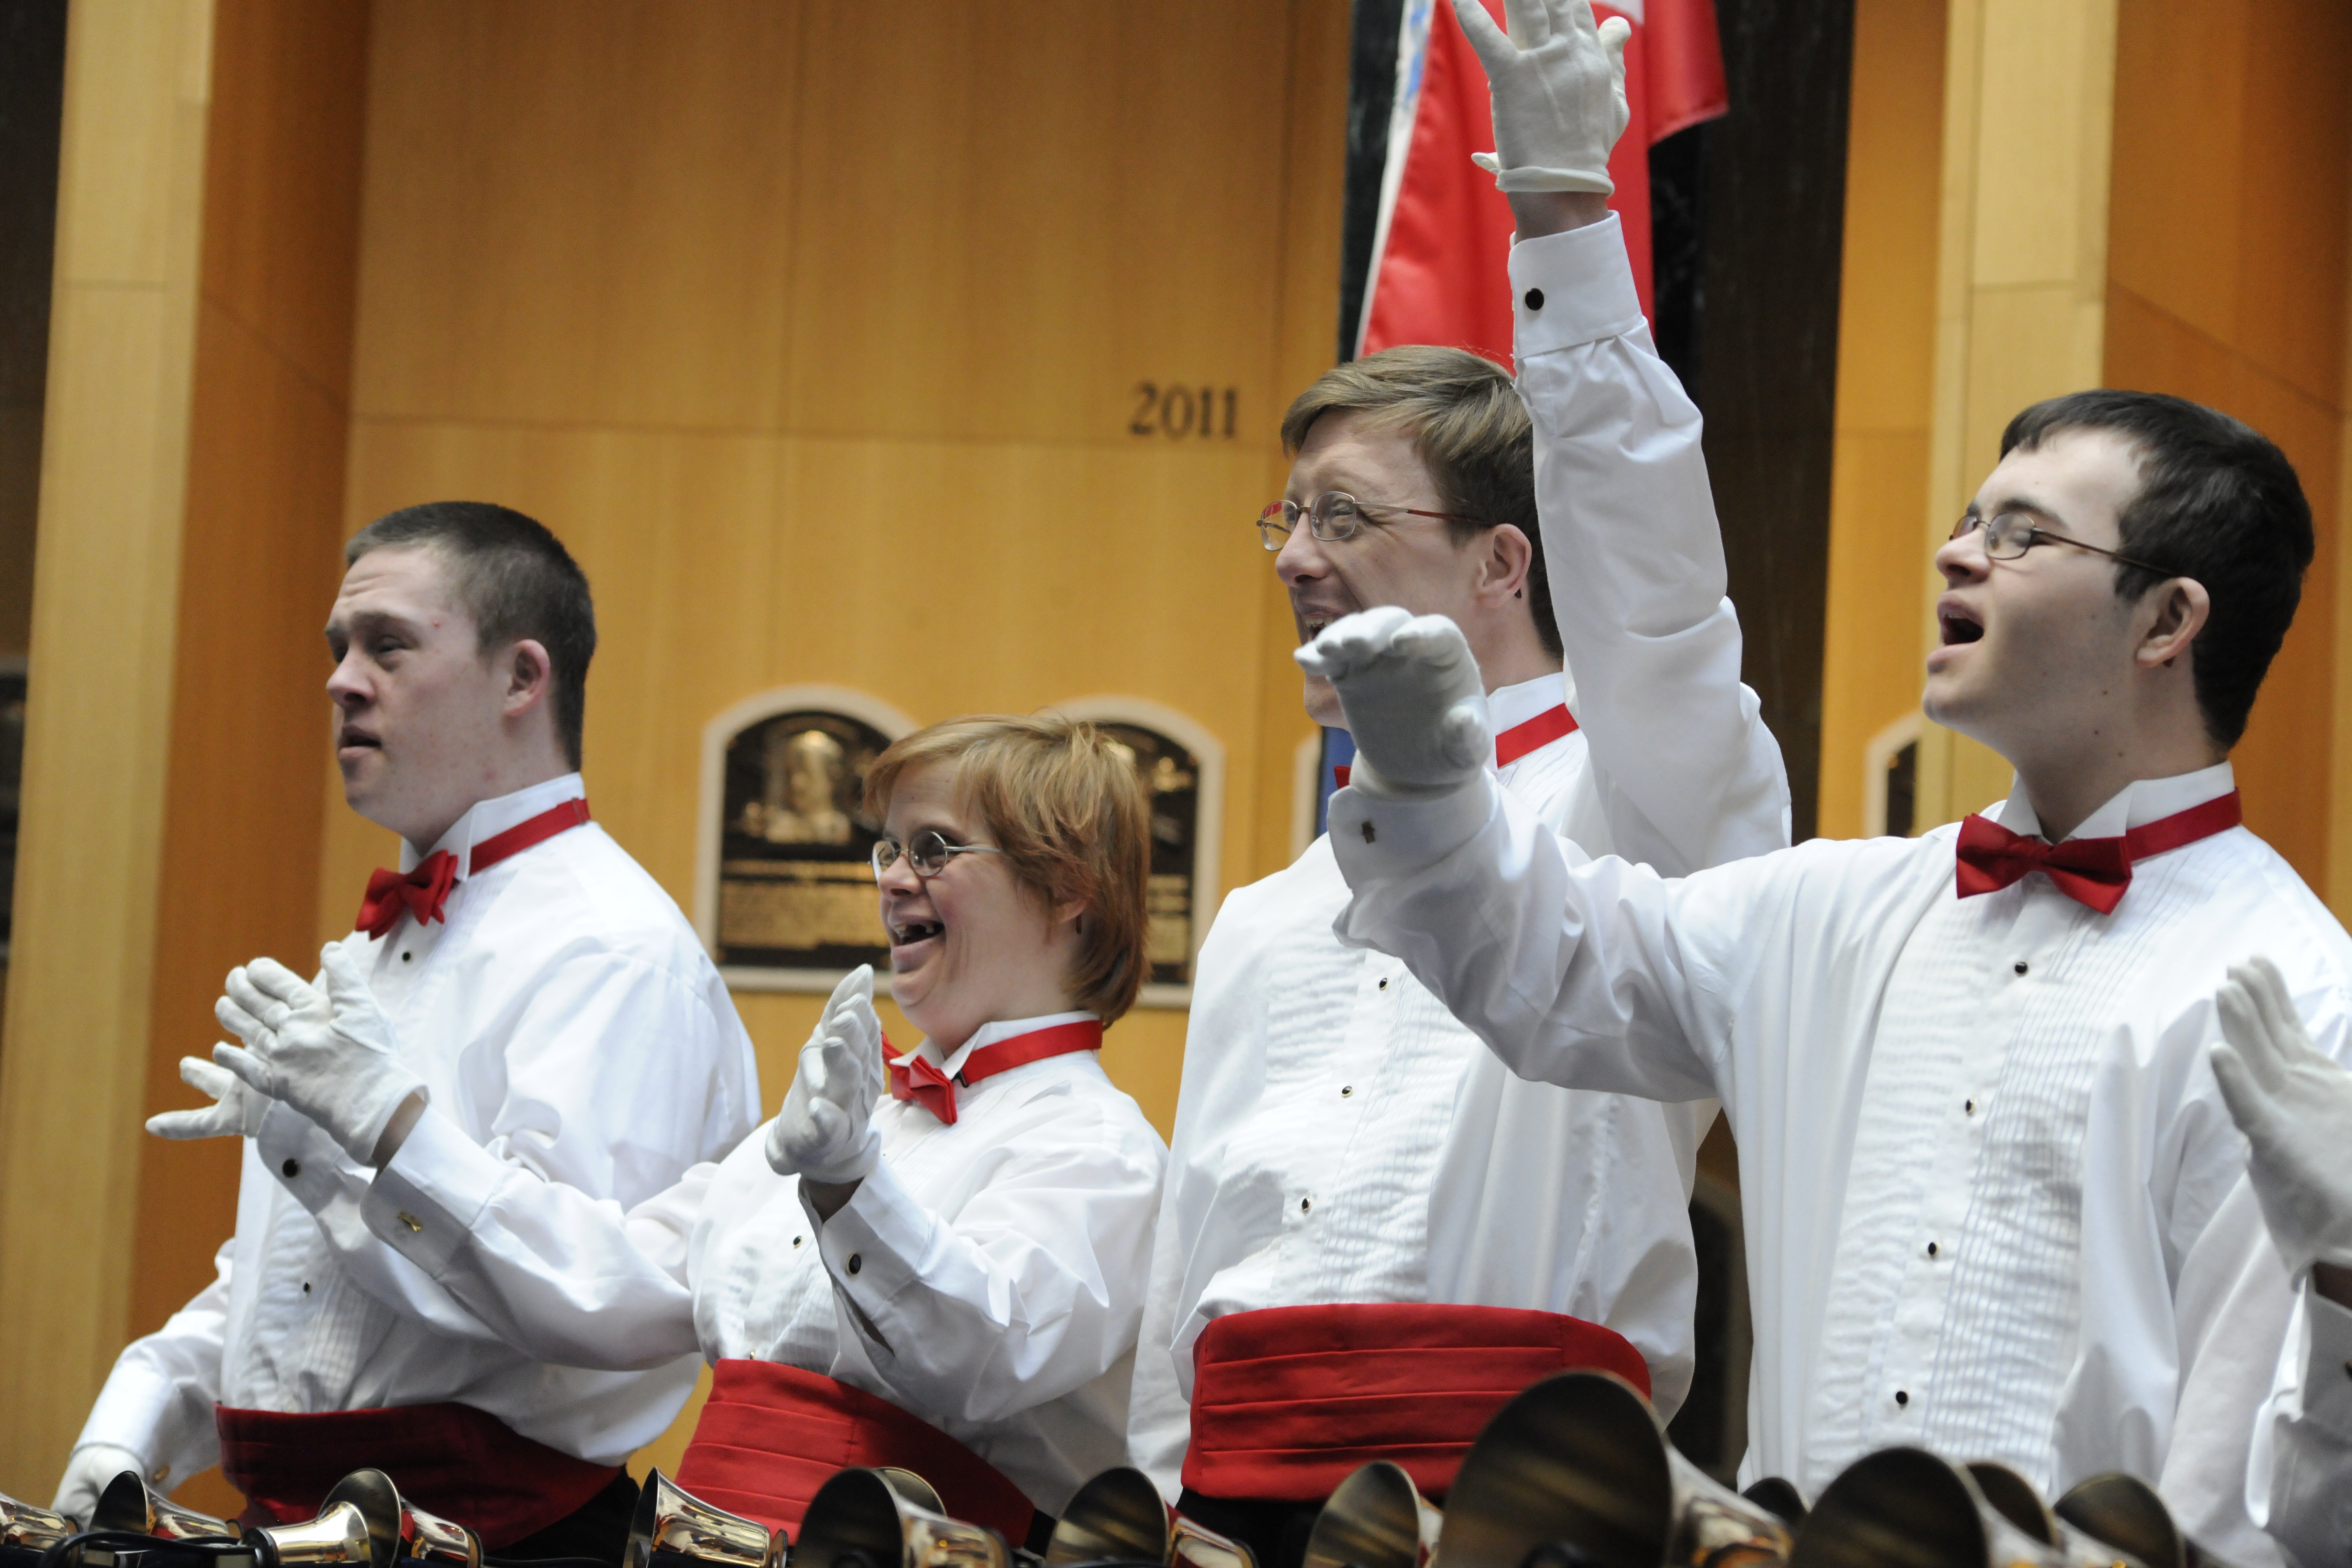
[[2310, 1438], [577, 1124], [1586, 973], [1034, 1290], [1687, 773], [159, 1400], [553, 1273]]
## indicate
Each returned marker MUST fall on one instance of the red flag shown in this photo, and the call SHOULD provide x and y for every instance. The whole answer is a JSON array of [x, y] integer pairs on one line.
[[1438, 270]]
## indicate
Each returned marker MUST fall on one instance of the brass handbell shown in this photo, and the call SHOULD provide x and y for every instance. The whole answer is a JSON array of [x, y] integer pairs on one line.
[[2016, 1500], [1577, 1465], [30, 1529], [673, 1524], [2126, 1511], [339, 1536], [1119, 1517], [859, 1520], [1375, 1519], [129, 1503], [397, 1528], [1904, 1508]]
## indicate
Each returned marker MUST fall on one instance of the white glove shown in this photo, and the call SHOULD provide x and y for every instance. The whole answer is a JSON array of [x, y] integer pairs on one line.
[[825, 1132], [1559, 86], [235, 1111], [1415, 703], [88, 1470], [2294, 1106], [329, 1054]]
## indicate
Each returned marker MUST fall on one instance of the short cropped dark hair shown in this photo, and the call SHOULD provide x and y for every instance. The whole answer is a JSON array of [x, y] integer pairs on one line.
[[2219, 503], [1467, 422], [515, 579]]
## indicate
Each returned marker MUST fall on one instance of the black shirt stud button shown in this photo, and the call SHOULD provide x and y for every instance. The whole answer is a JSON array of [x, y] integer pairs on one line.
[[1901, 1397], [1534, 298], [292, 1168], [2021, 966], [855, 1263]]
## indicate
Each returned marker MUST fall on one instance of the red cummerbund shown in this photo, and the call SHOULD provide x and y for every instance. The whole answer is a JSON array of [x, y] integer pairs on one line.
[[772, 1435], [449, 1459], [1288, 1400]]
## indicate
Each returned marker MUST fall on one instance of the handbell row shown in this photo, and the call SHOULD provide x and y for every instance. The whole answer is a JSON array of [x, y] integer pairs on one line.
[[1575, 1472]]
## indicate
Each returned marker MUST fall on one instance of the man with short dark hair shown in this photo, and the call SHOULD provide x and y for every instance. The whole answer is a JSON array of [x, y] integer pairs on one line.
[[1371, 1234], [540, 997], [1995, 1204]]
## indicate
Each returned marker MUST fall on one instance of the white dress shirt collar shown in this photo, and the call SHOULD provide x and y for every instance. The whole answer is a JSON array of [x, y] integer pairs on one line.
[[988, 1035], [2137, 803], [1507, 705], [489, 818]]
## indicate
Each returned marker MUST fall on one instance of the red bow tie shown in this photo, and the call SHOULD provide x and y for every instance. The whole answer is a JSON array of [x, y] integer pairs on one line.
[[2091, 871], [918, 1080], [423, 891]]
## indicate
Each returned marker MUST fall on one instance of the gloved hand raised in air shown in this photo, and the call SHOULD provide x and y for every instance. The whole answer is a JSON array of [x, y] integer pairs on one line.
[[235, 1111], [2294, 1106], [1559, 86], [825, 1132], [1416, 705], [329, 1054]]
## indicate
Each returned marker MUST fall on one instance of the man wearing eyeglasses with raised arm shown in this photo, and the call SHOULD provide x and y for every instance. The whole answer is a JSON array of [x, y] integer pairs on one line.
[[1997, 1203], [1371, 1234]]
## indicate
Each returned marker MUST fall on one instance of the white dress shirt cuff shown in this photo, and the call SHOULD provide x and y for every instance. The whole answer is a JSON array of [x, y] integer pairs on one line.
[[428, 1197], [1572, 287], [306, 1161], [1387, 839], [873, 1244], [2327, 1369]]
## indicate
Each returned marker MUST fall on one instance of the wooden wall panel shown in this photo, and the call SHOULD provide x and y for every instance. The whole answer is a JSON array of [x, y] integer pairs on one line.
[[1870, 673], [813, 336], [122, 331], [2233, 150]]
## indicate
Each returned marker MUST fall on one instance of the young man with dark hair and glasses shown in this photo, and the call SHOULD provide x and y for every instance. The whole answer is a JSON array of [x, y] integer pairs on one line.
[[1996, 1205], [1353, 1180], [525, 993]]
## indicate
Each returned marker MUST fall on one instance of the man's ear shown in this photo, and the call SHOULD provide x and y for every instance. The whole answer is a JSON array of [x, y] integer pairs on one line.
[[1506, 555], [530, 676], [2175, 612]]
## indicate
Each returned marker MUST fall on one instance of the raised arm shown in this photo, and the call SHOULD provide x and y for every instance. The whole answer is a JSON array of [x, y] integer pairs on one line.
[[1687, 774]]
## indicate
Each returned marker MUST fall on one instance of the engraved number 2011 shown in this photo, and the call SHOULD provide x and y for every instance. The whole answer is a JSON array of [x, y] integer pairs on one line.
[[1204, 413]]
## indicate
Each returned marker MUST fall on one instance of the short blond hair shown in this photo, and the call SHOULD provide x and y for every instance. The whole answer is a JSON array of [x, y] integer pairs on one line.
[[1466, 421], [1063, 802]]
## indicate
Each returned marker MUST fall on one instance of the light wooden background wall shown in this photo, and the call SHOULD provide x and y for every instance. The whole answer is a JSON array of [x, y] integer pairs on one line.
[[812, 330]]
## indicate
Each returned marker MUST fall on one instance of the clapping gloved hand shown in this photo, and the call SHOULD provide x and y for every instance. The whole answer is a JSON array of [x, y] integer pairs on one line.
[[825, 1133], [235, 1111], [328, 1054], [2294, 1106], [1415, 703], [94, 1465], [1559, 85]]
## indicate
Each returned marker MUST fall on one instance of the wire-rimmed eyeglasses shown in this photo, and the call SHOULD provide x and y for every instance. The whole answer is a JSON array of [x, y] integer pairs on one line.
[[1332, 516], [2009, 535], [928, 852]]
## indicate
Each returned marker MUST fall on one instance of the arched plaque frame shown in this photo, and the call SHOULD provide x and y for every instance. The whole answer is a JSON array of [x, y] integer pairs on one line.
[[1209, 761], [709, 828]]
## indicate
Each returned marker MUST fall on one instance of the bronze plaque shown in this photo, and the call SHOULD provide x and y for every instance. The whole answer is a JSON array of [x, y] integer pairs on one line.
[[1172, 780], [795, 876]]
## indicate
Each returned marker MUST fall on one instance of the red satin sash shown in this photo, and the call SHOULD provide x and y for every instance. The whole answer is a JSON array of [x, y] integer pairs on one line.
[[1287, 1401], [772, 1435], [450, 1459]]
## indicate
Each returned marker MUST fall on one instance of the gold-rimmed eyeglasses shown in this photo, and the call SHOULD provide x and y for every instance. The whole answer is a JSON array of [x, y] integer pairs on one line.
[[2009, 535], [928, 852], [1332, 516]]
